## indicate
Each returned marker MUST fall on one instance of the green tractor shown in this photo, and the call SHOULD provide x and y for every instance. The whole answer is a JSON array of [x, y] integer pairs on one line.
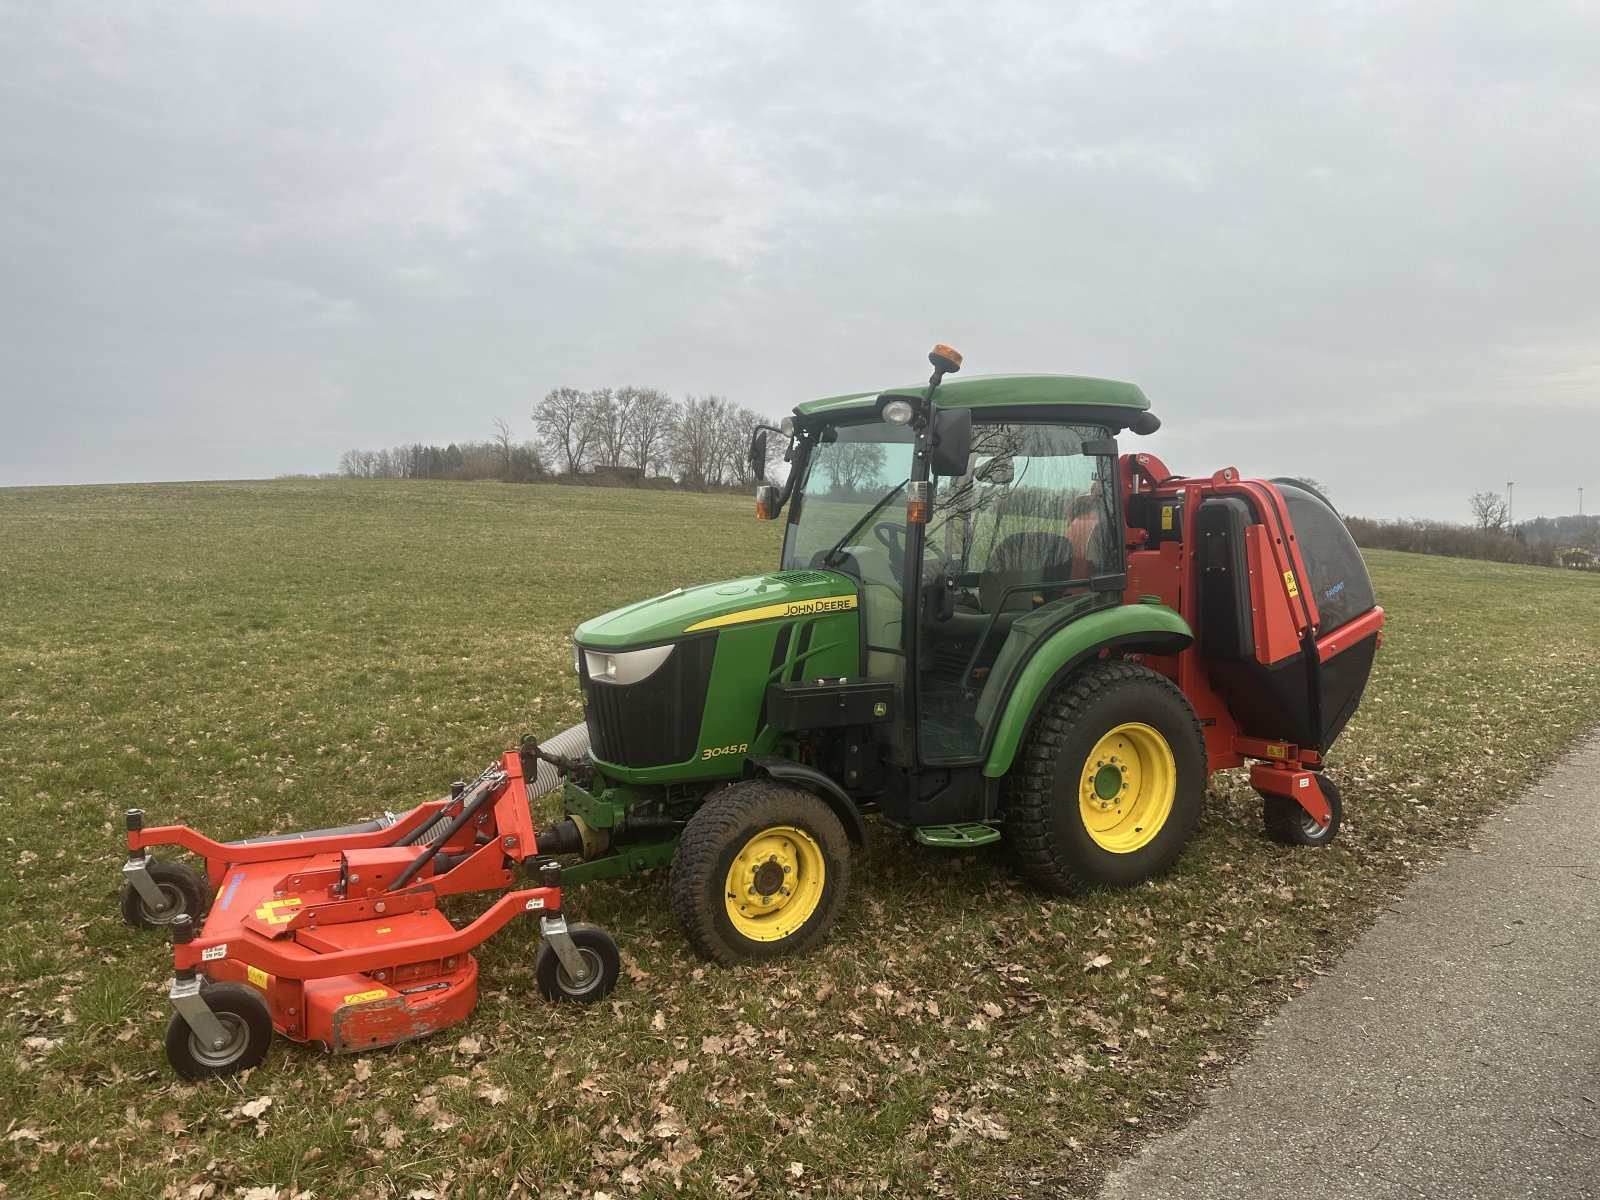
[[986, 625]]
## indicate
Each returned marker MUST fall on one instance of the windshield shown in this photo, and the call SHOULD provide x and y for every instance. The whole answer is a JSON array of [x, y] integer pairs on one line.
[[831, 520]]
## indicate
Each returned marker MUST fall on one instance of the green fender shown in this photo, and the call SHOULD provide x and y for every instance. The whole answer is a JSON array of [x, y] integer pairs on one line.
[[1152, 627]]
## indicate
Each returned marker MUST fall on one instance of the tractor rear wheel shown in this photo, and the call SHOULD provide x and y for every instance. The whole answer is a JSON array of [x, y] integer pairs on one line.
[[1109, 786], [761, 871], [1290, 825]]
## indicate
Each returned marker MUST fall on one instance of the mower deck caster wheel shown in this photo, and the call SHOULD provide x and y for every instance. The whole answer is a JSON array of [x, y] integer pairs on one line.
[[183, 890], [246, 1021], [601, 967], [1289, 824]]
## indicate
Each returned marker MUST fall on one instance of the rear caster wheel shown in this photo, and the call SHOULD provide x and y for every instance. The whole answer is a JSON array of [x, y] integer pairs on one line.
[[247, 1027], [1291, 825], [183, 890], [601, 966]]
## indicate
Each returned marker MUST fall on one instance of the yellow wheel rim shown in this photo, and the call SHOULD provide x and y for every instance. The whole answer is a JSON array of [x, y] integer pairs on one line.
[[1126, 791], [775, 884]]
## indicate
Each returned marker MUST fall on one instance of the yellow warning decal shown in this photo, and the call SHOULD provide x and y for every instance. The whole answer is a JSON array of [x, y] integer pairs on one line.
[[795, 608], [278, 912], [256, 976], [1166, 518], [1277, 751], [384, 929], [363, 997], [1288, 580]]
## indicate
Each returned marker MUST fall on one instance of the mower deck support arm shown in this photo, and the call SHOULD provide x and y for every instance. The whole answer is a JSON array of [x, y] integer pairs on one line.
[[192, 1007]]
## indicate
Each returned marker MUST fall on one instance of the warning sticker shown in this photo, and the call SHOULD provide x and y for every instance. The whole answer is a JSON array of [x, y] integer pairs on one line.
[[1288, 582], [1166, 518], [256, 976], [364, 997], [278, 912]]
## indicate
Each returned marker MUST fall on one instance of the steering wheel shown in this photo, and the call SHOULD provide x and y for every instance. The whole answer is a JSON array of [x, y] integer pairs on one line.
[[891, 537]]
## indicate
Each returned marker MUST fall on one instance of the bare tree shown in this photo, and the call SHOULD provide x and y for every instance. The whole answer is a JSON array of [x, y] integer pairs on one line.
[[738, 425], [695, 451], [651, 423], [853, 465], [505, 442], [610, 419], [1489, 510], [565, 420]]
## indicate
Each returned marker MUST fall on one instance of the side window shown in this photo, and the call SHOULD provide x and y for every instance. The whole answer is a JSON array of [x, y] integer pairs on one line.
[[1028, 525], [1030, 497]]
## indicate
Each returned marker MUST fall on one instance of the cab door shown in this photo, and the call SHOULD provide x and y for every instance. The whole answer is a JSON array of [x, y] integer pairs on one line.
[[1021, 536]]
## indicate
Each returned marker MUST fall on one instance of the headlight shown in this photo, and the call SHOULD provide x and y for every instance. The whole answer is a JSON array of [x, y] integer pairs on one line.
[[577, 659], [626, 666], [898, 412]]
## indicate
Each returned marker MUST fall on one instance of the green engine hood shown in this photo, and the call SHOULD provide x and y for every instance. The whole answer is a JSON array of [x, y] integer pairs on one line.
[[719, 605]]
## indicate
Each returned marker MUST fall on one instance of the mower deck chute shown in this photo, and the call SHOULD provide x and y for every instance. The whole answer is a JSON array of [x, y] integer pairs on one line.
[[336, 937]]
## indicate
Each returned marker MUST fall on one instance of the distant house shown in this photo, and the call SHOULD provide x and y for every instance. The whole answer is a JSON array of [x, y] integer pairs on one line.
[[1578, 559]]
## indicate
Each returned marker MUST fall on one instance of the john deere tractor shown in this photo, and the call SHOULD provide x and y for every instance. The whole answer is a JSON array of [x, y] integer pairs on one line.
[[986, 625]]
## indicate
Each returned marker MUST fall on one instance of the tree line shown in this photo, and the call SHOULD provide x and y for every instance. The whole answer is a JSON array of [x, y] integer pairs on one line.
[[1539, 542], [627, 434]]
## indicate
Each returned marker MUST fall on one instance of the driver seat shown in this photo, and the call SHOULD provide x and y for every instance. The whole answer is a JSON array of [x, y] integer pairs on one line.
[[1021, 559]]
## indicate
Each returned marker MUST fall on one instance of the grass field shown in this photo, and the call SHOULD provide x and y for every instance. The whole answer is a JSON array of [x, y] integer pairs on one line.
[[255, 656]]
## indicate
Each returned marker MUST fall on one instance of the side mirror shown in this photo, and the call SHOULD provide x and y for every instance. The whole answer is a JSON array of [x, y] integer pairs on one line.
[[758, 454], [950, 441]]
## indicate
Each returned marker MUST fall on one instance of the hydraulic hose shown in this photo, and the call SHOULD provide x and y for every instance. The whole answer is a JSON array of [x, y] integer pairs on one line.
[[569, 743]]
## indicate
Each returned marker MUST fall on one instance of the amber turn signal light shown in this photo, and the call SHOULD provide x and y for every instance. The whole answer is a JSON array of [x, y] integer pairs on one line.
[[766, 502], [917, 502]]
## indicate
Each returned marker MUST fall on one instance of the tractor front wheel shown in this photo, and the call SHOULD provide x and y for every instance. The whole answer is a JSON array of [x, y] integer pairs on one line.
[[1290, 825], [1109, 786], [761, 871]]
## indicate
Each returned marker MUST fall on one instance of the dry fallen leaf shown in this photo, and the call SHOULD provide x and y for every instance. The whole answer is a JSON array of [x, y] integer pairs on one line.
[[1098, 963]]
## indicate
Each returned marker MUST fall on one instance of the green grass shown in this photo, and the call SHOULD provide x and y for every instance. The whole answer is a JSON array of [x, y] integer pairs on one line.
[[251, 656]]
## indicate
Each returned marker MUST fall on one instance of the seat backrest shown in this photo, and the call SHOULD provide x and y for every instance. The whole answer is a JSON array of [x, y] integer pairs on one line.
[[1023, 558]]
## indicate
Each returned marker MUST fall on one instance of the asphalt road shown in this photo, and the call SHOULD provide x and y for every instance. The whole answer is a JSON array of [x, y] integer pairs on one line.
[[1454, 1052]]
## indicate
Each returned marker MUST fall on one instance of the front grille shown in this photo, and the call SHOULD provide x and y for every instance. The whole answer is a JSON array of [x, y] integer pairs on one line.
[[657, 720]]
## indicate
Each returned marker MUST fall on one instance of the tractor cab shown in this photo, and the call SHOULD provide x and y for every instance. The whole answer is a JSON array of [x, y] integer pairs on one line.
[[1020, 529]]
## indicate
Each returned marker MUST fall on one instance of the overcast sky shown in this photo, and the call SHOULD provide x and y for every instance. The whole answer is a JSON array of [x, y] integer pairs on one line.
[[1359, 242]]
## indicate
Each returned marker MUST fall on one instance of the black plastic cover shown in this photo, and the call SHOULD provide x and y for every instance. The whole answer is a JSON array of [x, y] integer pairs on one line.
[[1339, 581], [829, 704]]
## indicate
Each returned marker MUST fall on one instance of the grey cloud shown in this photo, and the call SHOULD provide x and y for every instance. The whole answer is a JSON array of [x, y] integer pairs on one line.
[[1357, 241]]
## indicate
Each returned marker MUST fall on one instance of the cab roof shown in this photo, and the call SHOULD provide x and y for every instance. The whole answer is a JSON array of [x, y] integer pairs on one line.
[[997, 391]]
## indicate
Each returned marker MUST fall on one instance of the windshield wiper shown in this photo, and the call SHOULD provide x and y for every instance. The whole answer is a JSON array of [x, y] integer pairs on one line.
[[827, 559]]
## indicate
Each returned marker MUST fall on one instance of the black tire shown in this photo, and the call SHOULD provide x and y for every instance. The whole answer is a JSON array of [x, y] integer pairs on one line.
[[184, 889], [601, 963], [1289, 824], [1065, 769], [803, 871], [248, 1021]]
